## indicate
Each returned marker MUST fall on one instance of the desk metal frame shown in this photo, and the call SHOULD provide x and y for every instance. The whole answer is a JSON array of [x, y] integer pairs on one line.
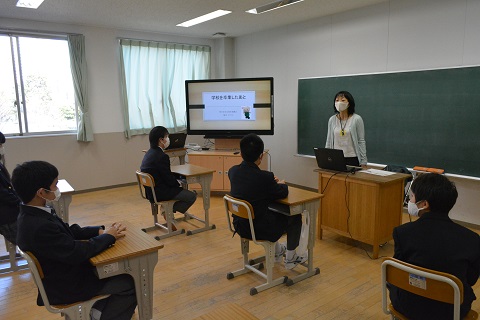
[[203, 176], [298, 201], [135, 254]]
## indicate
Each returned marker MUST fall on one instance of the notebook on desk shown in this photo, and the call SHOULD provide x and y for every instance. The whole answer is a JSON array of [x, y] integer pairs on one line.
[[177, 140], [333, 159]]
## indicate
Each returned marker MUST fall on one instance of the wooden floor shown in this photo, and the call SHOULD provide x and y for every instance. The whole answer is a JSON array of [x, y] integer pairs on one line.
[[190, 277]]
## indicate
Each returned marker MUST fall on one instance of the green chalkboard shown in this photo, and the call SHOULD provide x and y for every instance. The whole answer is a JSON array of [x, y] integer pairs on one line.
[[426, 118]]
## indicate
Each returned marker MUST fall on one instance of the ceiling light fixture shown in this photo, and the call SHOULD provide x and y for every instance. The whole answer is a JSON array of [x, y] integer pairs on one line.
[[205, 17], [32, 4], [273, 6], [219, 35]]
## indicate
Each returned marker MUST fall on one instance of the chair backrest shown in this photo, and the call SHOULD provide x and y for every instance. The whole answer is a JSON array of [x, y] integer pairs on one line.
[[74, 311], [37, 273], [240, 208], [424, 282], [145, 180]]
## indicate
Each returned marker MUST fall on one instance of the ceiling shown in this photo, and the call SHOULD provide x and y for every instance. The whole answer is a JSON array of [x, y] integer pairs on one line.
[[162, 16]]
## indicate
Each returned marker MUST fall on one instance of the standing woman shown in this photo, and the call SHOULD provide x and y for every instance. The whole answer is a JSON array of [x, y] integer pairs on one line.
[[346, 131]]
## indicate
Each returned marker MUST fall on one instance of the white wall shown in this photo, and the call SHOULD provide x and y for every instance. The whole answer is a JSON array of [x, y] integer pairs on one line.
[[110, 159], [392, 36]]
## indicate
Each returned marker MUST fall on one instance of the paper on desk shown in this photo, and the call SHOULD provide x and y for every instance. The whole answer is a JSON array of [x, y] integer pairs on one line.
[[378, 172]]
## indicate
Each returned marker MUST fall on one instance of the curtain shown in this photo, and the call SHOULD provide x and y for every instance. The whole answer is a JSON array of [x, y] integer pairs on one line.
[[78, 65], [153, 82]]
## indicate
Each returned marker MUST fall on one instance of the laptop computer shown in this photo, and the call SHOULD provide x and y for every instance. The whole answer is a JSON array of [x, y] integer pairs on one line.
[[177, 140], [333, 159]]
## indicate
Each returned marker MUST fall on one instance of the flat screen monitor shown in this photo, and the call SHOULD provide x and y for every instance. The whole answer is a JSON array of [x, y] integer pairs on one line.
[[229, 108]]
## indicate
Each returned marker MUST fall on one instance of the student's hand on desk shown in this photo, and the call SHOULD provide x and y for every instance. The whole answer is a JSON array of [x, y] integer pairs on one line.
[[116, 229], [364, 166]]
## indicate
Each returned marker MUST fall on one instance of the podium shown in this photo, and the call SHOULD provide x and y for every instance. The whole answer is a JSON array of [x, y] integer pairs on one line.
[[361, 206]]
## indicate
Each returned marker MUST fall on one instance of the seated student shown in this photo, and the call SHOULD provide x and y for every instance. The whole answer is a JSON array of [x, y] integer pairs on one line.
[[63, 250], [259, 188], [157, 164], [435, 242], [9, 200]]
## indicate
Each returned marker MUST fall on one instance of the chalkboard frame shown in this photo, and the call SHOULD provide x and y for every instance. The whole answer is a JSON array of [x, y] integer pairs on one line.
[[428, 118]]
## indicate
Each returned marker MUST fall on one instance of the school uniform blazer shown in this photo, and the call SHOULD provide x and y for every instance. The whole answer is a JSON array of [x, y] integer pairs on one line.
[[9, 201], [250, 183], [157, 163], [436, 242], [63, 252]]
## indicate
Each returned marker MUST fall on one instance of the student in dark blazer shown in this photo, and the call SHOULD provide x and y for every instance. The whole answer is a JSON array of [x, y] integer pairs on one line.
[[63, 250], [259, 188], [157, 163], [435, 242], [9, 200]]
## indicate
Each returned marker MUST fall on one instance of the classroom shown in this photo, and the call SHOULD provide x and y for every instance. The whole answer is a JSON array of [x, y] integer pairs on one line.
[[378, 37]]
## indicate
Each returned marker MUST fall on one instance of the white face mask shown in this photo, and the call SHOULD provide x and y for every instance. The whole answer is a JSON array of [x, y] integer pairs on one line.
[[413, 210], [57, 193], [341, 106], [167, 142]]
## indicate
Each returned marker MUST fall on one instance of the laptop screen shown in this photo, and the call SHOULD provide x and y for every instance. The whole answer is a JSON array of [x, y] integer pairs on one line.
[[177, 140], [333, 159]]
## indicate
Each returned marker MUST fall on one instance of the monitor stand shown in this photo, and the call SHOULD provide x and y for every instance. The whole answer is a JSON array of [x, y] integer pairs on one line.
[[227, 144]]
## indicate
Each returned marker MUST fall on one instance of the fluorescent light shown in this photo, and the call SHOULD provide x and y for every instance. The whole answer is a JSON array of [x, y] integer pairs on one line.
[[32, 4], [205, 17], [273, 6]]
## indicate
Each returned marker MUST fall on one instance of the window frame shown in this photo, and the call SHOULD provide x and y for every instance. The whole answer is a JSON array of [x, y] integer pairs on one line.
[[19, 85]]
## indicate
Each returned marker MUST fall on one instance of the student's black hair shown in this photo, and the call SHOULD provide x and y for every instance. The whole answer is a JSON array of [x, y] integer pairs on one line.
[[157, 133], [2, 138], [251, 147], [440, 192], [349, 97], [30, 176]]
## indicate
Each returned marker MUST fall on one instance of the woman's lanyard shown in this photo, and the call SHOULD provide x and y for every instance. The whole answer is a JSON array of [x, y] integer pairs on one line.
[[342, 126]]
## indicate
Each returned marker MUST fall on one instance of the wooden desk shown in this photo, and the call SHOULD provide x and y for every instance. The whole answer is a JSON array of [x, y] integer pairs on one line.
[[61, 206], [203, 176], [180, 153], [300, 200], [374, 205], [137, 255]]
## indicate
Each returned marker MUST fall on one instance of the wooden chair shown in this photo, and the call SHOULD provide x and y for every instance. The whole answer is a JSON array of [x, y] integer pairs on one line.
[[145, 180], [243, 209], [74, 311], [424, 282]]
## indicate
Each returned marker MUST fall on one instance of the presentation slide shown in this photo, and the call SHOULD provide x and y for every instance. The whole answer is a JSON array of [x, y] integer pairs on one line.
[[229, 105]]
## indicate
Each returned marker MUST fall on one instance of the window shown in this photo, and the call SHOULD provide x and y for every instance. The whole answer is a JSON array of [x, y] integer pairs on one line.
[[153, 82], [36, 86]]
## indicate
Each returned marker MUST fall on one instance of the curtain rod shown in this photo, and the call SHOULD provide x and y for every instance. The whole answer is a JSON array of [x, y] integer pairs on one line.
[[35, 32], [167, 42]]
